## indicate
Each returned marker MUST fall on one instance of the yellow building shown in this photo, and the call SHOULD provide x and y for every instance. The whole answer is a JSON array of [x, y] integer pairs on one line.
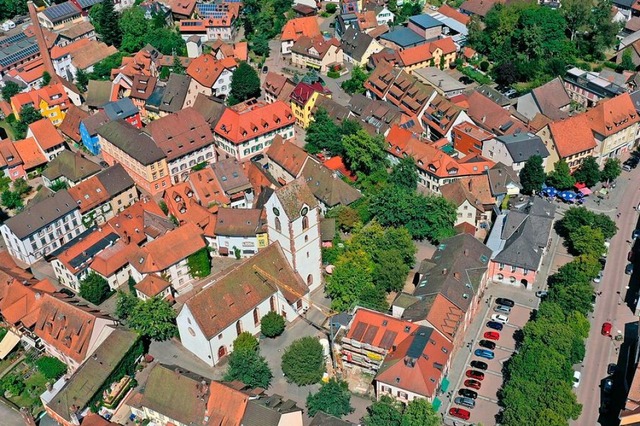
[[52, 102], [303, 99]]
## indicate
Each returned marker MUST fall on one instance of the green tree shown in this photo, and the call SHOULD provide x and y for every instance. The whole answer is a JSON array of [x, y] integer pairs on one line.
[[576, 217], [28, 115], [588, 241], [94, 288], [303, 361], [364, 153], [134, 27], [331, 8], [405, 174], [46, 79], [560, 177], [588, 172], [21, 186], [576, 14], [420, 412], [245, 84], [626, 63], [126, 303], [532, 175], [611, 170], [108, 21], [163, 207], [250, 368], [154, 319], [177, 67], [272, 324], [82, 80], [95, 17], [385, 412], [390, 271], [323, 133], [11, 200], [59, 185], [347, 218], [13, 383], [50, 367], [332, 398], [199, 263], [260, 45], [102, 70], [9, 90], [356, 83], [168, 42], [246, 342], [353, 273]]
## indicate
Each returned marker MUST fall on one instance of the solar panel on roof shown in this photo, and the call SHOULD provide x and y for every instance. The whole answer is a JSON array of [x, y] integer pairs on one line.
[[18, 56], [93, 250], [61, 11]]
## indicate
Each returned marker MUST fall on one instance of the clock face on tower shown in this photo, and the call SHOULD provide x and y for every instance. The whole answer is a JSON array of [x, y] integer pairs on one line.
[[304, 211], [276, 211]]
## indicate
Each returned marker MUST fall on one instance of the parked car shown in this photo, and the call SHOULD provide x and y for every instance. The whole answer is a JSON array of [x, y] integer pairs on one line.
[[104, 164], [598, 278], [635, 234], [257, 157], [495, 325], [505, 302], [473, 374], [606, 329], [629, 269], [607, 385], [473, 384], [502, 309], [459, 413], [265, 69], [465, 402], [626, 167], [576, 379], [542, 294], [611, 369], [468, 393], [488, 344], [630, 256], [499, 318], [491, 335], [484, 353], [480, 365]]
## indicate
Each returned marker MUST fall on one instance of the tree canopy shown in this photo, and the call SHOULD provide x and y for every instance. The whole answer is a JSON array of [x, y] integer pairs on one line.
[[154, 319], [247, 365], [588, 172], [245, 84], [333, 398], [611, 170], [323, 133], [405, 174], [263, 20], [356, 83], [576, 217], [364, 153], [94, 288], [560, 177], [303, 361], [9, 90], [532, 175], [272, 324]]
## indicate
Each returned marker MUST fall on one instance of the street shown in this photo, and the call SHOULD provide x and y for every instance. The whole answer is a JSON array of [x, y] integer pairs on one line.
[[9, 416], [610, 306]]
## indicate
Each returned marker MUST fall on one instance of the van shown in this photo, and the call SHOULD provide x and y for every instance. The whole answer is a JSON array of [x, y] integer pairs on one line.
[[465, 402], [607, 244], [502, 309]]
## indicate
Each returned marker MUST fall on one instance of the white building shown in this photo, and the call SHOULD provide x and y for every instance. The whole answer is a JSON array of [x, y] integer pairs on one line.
[[293, 220], [385, 16], [210, 76], [237, 231], [514, 150], [211, 320], [42, 227]]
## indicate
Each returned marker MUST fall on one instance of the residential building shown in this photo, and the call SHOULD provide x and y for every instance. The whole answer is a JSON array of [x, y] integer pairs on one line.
[[235, 302], [52, 101], [441, 116], [42, 227], [337, 112], [70, 127], [31, 155], [478, 7], [277, 87], [588, 88], [230, 176], [503, 182], [444, 84], [293, 220], [176, 95], [425, 26], [550, 99], [123, 109], [90, 378], [358, 47], [272, 411], [76, 32], [181, 9], [186, 206], [286, 160], [89, 131], [239, 51], [570, 140], [296, 28], [143, 160], [219, 21], [374, 112], [401, 37], [490, 116], [155, 259], [247, 129], [327, 187], [71, 332], [239, 232], [98, 93], [153, 286], [614, 123], [303, 99], [11, 164], [468, 138], [17, 50], [317, 53], [441, 53], [56, 15], [210, 76], [515, 150], [49, 140], [470, 209], [82, 54], [519, 241], [186, 139], [69, 168]]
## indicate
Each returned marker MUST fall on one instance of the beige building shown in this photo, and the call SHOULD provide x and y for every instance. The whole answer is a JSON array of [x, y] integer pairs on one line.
[[570, 140], [317, 53]]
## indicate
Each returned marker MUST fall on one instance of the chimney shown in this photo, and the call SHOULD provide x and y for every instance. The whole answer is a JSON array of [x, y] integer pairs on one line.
[[48, 386], [42, 44], [444, 271]]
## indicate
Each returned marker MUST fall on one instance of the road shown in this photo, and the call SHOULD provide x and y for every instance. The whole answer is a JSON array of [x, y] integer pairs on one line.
[[610, 306], [9, 416]]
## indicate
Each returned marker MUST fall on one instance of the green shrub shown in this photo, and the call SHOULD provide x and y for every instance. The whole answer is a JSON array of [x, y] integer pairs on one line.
[[272, 324], [333, 74], [50, 367], [331, 8]]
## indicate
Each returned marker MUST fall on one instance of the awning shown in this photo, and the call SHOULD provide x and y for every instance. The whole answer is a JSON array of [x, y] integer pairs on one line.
[[436, 403], [585, 191], [9, 342], [444, 385], [314, 66]]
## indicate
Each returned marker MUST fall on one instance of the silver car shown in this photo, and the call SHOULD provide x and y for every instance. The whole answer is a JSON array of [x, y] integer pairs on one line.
[[465, 402], [501, 309]]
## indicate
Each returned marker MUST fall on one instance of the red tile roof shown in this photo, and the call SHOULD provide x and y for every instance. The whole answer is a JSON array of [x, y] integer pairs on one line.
[[572, 135], [491, 116], [89, 194], [46, 134], [29, 72], [611, 116], [450, 12], [52, 95], [287, 155], [152, 285], [70, 126], [378, 329], [114, 258], [181, 133], [208, 189], [9, 156], [130, 223], [424, 52], [226, 406], [20, 303], [182, 7], [298, 27], [303, 92], [248, 121], [30, 153], [206, 69]]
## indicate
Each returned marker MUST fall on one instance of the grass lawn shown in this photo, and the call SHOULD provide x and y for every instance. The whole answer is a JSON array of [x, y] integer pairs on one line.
[[30, 397], [8, 129]]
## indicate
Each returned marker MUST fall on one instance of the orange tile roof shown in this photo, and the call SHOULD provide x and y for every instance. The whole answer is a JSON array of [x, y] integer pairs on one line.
[[182, 7], [287, 155], [30, 153], [366, 20], [58, 52], [452, 13], [9, 156], [206, 69], [82, 246], [208, 189], [378, 329], [424, 52], [226, 406], [491, 116], [89, 194], [186, 208], [46, 134], [298, 27], [70, 126], [129, 223], [572, 135], [245, 122], [29, 71], [151, 285], [154, 256], [20, 303], [613, 115], [53, 95], [444, 315], [114, 258], [336, 163]]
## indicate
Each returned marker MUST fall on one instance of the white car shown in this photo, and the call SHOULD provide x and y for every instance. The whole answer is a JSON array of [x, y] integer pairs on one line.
[[499, 318], [576, 379]]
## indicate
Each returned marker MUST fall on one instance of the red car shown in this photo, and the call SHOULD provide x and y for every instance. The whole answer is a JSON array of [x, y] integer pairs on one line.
[[473, 374], [459, 413], [473, 384], [492, 335], [606, 329]]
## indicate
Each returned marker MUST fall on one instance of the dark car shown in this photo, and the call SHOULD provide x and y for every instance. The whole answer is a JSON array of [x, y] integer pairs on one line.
[[473, 374], [487, 344], [265, 69], [459, 413], [468, 393], [257, 157], [465, 402], [104, 164], [607, 386], [480, 365], [473, 384], [629, 269], [611, 368], [505, 302], [635, 234], [495, 325]]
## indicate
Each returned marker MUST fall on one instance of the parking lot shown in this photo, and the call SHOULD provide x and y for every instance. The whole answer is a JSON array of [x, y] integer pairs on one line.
[[486, 404]]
